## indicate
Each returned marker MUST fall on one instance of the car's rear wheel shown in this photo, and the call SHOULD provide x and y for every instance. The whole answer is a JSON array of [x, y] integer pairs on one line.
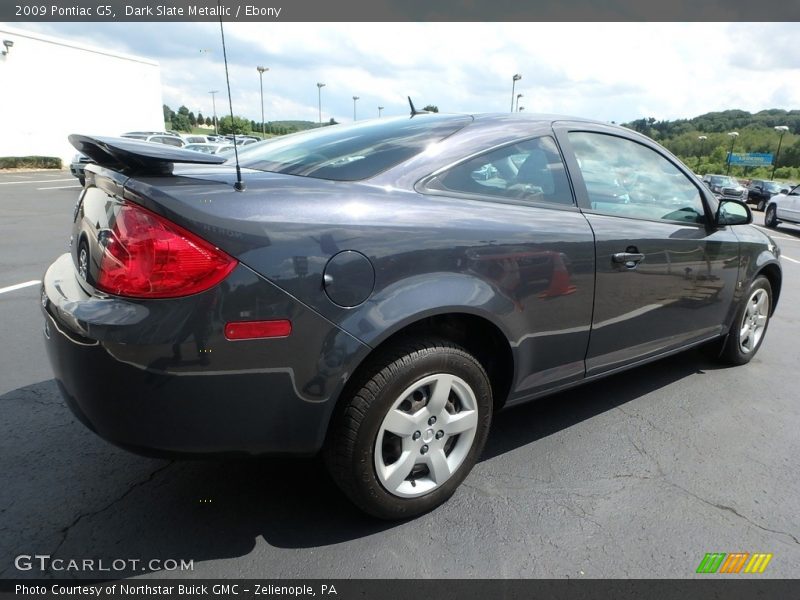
[[771, 217], [750, 325], [761, 204], [411, 428]]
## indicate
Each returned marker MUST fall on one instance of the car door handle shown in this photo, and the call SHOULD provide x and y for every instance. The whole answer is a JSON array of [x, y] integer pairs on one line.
[[629, 259]]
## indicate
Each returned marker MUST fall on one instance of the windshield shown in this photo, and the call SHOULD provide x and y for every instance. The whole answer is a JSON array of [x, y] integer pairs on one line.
[[722, 180], [772, 186], [351, 152]]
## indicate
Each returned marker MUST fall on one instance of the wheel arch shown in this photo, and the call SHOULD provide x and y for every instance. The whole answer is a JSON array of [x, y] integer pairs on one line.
[[477, 334], [775, 277]]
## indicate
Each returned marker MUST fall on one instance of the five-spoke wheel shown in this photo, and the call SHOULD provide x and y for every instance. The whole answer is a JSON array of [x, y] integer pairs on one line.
[[748, 328], [410, 427], [426, 435]]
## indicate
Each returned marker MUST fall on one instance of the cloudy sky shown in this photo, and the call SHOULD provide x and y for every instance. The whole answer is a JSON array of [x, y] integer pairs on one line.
[[607, 71]]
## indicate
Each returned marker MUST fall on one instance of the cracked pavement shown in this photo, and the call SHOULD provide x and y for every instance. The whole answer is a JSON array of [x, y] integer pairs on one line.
[[637, 475]]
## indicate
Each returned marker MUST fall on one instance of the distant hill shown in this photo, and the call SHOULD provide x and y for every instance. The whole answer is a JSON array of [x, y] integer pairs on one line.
[[756, 134], [297, 125]]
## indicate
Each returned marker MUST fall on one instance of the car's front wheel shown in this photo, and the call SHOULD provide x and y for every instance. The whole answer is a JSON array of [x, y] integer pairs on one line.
[[761, 204], [411, 428], [750, 325], [771, 217]]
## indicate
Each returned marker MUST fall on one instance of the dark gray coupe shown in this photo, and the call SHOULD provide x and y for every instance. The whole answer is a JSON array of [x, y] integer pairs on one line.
[[376, 291]]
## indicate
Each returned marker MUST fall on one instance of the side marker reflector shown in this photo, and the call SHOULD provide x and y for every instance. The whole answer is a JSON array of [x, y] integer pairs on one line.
[[254, 330]]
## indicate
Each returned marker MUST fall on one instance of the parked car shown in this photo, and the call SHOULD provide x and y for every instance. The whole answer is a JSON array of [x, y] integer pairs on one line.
[[357, 291], [77, 166], [158, 138], [195, 139], [760, 191], [725, 187], [210, 148], [783, 208]]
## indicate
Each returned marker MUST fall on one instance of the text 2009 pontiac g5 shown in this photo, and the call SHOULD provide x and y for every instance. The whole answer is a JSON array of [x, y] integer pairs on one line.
[[377, 291]]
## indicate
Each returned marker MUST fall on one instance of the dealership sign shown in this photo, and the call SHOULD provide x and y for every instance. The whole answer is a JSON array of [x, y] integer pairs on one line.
[[750, 159]]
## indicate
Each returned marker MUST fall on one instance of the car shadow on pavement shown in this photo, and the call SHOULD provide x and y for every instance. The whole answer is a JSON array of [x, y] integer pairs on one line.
[[71, 495]]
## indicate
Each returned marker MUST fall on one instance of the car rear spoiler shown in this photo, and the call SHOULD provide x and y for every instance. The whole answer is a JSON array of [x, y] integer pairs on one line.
[[137, 155]]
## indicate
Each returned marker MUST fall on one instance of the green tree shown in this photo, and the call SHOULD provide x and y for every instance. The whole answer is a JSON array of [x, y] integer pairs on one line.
[[208, 121], [192, 119], [200, 118], [431, 108], [228, 125], [181, 122]]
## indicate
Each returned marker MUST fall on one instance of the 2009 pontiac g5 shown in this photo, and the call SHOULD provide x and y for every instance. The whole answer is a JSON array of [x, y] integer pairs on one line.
[[377, 291]]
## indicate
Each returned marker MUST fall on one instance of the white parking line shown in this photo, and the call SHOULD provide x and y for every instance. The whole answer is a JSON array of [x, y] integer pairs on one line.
[[59, 187], [34, 181], [794, 260], [19, 286], [776, 237]]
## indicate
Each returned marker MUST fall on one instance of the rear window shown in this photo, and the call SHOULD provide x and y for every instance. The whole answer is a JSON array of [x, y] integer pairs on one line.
[[351, 152]]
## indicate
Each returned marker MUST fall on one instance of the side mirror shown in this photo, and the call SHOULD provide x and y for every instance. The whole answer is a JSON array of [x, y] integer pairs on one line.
[[784, 190], [733, 212]]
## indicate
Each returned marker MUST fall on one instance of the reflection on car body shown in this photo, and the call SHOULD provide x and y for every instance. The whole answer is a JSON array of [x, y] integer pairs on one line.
[[376, 291]]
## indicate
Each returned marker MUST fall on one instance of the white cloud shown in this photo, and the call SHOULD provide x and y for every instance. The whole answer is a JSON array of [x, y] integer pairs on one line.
[[606, 71]]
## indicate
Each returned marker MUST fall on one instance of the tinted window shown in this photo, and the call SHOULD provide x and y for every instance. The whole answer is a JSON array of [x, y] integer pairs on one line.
[[530, 171], [351, 152], [171, 141], [629, 179]]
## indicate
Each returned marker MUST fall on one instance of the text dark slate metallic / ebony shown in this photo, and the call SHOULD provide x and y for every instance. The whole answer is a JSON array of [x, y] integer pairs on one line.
[[380, 289]]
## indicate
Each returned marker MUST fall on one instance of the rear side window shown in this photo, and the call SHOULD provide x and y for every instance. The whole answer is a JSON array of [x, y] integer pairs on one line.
[[529, 171], [351, 152]]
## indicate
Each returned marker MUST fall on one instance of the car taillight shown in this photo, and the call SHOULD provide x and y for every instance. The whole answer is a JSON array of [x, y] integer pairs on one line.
[[148, 256]]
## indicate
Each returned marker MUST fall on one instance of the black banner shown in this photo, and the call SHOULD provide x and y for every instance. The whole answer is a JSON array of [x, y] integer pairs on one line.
[[378, 589], [392, 10]]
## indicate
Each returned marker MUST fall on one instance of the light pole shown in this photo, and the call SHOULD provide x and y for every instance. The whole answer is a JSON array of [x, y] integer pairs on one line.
[[319, 99], [514, 81], [518, 97], [783, 129], [702, 139], [261, 85], [380, 108], [214, 105], [354, 107], [734, 135]]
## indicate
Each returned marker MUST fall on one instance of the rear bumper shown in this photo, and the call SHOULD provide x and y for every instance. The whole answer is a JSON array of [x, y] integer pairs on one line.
[[159, 376]]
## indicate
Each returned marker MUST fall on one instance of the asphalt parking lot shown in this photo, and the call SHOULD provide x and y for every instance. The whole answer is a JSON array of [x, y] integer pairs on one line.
[[638, 475]]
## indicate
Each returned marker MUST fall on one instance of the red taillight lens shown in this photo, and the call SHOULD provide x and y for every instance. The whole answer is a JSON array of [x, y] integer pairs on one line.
[[147, 256], [252, 330]]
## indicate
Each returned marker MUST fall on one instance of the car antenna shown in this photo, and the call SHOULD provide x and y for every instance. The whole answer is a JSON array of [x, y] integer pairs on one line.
[[414, 111], [239, 185]]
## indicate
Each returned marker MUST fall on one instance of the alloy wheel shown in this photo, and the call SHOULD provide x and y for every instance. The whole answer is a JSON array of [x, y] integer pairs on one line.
[[754, 321], [83, 262]]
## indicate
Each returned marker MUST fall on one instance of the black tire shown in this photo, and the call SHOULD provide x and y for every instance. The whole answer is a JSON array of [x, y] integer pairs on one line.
[[761, 204], [734, 351], [351, 451], [771, 217]]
